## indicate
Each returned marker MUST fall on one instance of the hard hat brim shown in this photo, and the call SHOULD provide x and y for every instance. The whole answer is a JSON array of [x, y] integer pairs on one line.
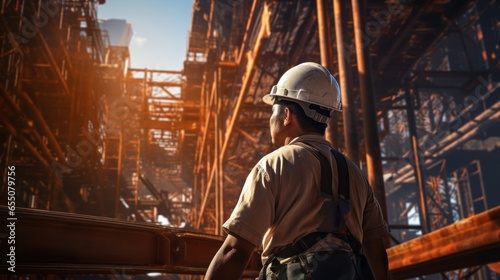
[[268, 99]]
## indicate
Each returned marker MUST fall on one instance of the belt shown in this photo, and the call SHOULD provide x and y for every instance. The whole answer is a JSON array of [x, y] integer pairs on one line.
[[298, 247]]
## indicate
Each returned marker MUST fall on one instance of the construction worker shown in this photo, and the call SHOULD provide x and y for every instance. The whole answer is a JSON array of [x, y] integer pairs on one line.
[[284, 206]]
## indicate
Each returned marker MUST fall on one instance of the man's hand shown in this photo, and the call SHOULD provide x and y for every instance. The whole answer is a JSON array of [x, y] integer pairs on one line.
[[231, 259]]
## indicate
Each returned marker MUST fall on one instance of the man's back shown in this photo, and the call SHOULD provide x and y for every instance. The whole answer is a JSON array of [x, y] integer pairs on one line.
[[283, 195]]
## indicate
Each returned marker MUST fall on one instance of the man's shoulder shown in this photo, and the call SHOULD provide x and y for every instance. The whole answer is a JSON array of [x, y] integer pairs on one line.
[[280, 153]]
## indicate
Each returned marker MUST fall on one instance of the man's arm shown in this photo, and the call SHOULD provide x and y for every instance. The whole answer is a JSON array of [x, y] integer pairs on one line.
[[231, 259], [377, 257]]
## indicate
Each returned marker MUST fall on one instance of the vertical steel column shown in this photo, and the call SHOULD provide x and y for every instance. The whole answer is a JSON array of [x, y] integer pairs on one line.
[[460, 198], [345, 79], [251, 20], [119, 172], [217, 119], [144, 110], [372, 143], [424, 221], [220, 160], [325, 46], [445, 176], [481, 184]]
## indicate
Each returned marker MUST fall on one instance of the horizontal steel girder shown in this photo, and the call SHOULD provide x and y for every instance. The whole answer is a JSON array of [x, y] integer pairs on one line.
[[170, 125], [469, 242], [55, 242]]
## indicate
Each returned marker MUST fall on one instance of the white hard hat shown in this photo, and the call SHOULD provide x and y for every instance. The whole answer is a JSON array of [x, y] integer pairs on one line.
[[308, 83]]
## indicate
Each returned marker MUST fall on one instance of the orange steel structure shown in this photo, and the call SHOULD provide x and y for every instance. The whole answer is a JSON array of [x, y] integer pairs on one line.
[[159, 157]]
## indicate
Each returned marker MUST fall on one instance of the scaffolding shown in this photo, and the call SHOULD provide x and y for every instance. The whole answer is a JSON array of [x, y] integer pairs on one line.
[[50, 130]]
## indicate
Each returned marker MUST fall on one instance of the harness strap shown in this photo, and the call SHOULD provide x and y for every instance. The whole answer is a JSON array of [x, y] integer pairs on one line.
[[326, 184], [326, 173], [343, 203]]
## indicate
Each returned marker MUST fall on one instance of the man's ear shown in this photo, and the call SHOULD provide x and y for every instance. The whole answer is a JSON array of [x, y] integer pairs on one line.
[[288, 116]]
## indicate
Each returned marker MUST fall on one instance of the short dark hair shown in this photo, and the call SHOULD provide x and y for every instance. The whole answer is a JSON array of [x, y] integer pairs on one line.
[[306, 123]]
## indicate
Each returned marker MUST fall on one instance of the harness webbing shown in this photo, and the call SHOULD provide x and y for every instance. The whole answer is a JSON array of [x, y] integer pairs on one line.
[[326, 185]]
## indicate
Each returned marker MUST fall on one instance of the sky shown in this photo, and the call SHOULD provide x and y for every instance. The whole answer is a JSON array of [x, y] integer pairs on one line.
[[160, 30]]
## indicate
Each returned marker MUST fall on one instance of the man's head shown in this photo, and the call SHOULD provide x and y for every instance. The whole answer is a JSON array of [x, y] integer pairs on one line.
[[303, 101]]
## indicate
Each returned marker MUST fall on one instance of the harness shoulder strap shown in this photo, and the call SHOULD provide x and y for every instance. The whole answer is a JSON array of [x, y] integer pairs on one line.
[[343, 203], [343, 185], [326, 174], [343, 174]]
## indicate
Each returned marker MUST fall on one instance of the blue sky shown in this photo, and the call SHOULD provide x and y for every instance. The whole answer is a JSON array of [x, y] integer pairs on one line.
[[160, 30]]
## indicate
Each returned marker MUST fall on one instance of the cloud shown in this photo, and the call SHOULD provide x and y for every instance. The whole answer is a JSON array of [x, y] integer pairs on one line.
[[139, 40]]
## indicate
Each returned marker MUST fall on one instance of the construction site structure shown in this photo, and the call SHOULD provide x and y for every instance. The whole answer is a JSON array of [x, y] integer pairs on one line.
[[121, 171]]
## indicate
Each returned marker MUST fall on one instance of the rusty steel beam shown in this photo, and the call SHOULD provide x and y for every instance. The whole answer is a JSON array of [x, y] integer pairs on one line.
[[165, 83], [369, 114], [325, 43], [55, 242], [173, 72], [170, 125], [250, 22], [466, 243], [345, 79], [419, 177]]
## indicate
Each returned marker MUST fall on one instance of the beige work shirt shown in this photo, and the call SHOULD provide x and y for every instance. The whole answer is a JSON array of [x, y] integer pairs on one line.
[[281, 199]]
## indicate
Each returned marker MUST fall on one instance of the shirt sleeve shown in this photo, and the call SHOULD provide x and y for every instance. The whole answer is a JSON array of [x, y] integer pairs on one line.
[[374, 226], [254, 211]]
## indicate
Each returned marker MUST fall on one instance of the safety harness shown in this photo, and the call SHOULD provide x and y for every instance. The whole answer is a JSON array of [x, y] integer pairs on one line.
[[341, 215]]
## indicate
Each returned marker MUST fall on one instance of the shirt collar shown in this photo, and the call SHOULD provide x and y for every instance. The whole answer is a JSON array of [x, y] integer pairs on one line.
[[315, 138]]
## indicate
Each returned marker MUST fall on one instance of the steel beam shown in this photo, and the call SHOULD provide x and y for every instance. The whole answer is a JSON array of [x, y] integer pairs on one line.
[[466, 243], [419, 177], [170, 125], [251, 21], [370, 127], [325, 43], [345, 78], [55, 242]]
